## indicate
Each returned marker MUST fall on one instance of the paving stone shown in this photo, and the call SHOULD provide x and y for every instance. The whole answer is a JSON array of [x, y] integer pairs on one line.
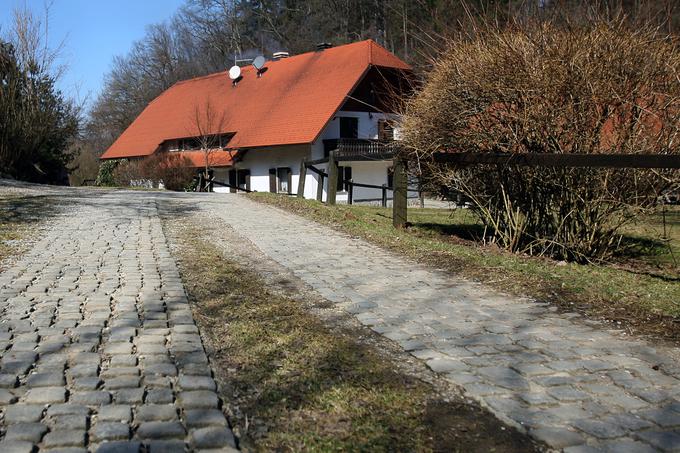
[[69, 421], [108, 431], [46, 395], [664, 417], [567, 393], [11, 446], [129, 396], [45, 380], [115, 412], [212, 437], [86, 383], [189, 383], [67, 409], [159, 396], [8, 381], [7, 397], [167, 446], [198, 399], [120, 447], [627, 446], [90, 398], [23, 413], [160, 430], [201, 418], [663, 440], [558, 438], [28, 432], [599, 429], [156, 412], [163, 369], [122, 382], [64, 438]]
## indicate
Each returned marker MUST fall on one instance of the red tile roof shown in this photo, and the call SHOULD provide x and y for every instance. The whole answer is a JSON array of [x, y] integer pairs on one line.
[[290, 104]]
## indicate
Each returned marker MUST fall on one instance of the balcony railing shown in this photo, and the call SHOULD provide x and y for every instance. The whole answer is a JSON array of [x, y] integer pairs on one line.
[[361, 149]]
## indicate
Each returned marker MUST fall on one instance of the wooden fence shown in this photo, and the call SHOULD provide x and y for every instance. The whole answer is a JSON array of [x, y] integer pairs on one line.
[[399, 190]]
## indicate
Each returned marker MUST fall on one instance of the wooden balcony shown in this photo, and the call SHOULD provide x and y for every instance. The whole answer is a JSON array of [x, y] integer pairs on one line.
[[348, 149]]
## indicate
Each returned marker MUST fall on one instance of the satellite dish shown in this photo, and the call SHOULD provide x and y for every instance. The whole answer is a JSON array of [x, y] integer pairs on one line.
[[234, 72], [259, 62]]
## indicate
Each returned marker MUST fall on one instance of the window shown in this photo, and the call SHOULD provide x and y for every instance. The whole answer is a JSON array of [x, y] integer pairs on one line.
[[284, 179], [196, 143], [349, 127], [344, 174], [385, 130]]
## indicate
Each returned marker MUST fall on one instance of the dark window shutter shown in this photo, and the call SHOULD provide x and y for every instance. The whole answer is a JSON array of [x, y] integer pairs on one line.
[[385, 130], [272, 180], [232, 180]]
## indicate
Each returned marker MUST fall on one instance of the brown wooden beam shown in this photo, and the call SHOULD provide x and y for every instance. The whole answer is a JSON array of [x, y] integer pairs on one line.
[[332, 188], [563, 160], [399, 194], [302, 178]]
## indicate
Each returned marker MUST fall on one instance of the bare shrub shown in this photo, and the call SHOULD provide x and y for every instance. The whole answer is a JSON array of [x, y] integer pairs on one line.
[[173, 170], [544, 88]]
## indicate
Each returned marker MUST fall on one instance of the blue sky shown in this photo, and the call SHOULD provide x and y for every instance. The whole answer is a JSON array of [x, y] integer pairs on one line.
[[94, 32]]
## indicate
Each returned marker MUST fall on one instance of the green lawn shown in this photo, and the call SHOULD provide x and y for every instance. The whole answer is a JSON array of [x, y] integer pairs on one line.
[[639, 292]]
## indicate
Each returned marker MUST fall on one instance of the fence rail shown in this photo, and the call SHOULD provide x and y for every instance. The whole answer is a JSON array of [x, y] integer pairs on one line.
[[562, 160]]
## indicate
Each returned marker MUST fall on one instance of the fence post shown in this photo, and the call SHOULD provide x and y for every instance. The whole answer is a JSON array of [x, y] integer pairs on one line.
[[332, 179], [383, 201], [399, 193], [319, 189], [350, 192], [302, 178], [200, 182]]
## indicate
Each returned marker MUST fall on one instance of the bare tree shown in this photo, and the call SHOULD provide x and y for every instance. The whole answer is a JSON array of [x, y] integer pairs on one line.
[[207, 129]]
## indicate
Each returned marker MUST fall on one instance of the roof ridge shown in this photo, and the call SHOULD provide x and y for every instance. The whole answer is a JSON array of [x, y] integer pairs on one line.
[[292, 57]]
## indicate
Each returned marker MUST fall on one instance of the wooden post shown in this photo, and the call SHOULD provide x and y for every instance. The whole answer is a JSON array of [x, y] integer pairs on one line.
[[350, 192], [319, 189], [332, 179], [399, 194], [383, 201], [200, 182], [303, 177]]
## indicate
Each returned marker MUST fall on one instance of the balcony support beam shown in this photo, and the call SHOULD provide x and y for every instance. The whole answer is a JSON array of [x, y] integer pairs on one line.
[[332, 189]]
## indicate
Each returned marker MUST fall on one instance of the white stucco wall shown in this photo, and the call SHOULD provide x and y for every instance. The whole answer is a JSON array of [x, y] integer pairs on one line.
[[260, 160]]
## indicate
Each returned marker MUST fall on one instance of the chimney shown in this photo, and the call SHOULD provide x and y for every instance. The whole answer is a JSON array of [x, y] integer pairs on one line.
[[323, 45], [280, 55]]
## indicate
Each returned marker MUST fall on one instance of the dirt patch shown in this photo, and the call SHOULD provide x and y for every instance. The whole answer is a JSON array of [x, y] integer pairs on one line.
[[297, 374]]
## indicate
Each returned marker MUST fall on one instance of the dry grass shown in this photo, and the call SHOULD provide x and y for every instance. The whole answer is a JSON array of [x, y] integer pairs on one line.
[[296, 383], [640, 294]]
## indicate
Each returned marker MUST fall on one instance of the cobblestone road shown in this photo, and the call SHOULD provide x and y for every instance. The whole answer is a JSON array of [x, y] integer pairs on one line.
[[569, 382], [99, 348]]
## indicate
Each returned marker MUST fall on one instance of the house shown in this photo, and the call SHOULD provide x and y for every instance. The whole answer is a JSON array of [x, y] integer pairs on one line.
[[260, 125]]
